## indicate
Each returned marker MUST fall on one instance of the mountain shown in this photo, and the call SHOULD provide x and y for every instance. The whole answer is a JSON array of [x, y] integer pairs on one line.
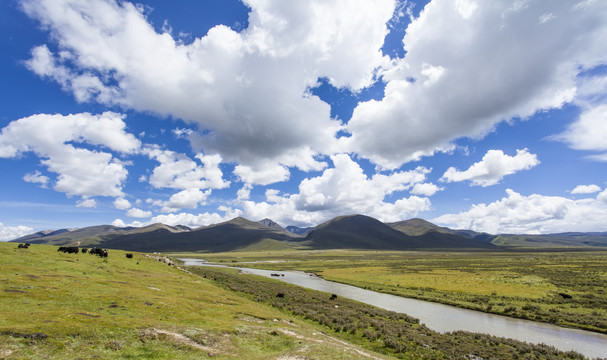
[[355, 232], [417, 227], [88, 236], [344, 232], [297, 230], [271, 224], [236, 234], [43, 233], [363, 232], [571, 239]]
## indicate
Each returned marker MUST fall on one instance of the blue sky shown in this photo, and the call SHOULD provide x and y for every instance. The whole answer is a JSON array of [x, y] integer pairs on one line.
[[490, 116]]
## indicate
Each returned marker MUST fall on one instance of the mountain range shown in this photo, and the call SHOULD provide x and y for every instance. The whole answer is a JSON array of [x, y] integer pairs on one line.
[[343, 232]]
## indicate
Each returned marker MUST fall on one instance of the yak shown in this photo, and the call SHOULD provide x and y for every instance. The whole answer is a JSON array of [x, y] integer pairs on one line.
[[98, 251], [69, 249]]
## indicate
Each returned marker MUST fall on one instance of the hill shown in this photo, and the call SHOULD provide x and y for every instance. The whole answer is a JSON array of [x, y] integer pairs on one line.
[[419, 227], [363, 232], [298, 230], [562, 240], [236, 234], [344, 232], [79, 306]]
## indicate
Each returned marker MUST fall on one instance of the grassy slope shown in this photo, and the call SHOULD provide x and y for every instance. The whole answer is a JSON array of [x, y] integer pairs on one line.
[[523, 285], [137, 308]]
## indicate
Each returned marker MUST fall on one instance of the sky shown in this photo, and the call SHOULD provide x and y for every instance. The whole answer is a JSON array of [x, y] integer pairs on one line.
[[482, 115]]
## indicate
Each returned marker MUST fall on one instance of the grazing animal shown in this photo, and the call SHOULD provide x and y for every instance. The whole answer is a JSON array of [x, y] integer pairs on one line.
[[84, 250], [98, 251], [129, 256], [566, 296], [23, 246], [280, 295], [69, 249], [333, 297]]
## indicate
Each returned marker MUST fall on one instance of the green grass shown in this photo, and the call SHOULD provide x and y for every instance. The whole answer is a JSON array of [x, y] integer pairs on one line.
[[380, 330], [55, 305], [517, 284]]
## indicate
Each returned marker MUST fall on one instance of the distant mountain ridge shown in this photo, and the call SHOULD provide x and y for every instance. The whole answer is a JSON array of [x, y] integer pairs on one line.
[[298, 230], [343, 232]]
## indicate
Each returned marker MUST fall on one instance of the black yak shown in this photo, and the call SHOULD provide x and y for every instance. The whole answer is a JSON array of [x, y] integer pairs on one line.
[[69, 249], [98, 251]]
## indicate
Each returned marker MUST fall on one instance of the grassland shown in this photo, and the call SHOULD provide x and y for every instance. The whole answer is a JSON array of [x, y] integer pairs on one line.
[[380, 330], [564, 288], [79, 306]]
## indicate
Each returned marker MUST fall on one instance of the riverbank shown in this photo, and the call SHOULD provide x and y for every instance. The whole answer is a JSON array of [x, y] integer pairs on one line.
[[562, 288], [379, 330]]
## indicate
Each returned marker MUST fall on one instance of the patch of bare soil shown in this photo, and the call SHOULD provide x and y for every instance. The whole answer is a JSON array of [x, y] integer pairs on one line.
[[214, 348], [321, 337]]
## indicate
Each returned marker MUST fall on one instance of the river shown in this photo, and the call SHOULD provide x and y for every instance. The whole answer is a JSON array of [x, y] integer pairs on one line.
[[445, 318]]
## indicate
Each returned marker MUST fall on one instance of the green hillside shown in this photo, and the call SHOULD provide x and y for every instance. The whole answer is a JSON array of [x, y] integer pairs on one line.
[[79, 306]]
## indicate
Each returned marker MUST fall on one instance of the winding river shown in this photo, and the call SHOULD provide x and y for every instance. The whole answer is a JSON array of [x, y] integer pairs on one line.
[[445, 318]]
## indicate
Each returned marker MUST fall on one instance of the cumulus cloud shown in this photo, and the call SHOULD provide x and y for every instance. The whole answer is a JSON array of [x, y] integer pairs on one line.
[[533, 214], [138, 213], [122, 204], [178, 171], [455, 80], [586, 189], [36, 178], [426, 189], [86, 203], [588, 132], [493, 167], [196, 220], [248, 92], [343, 189], [54, 138], [13, 232], [188, 198]]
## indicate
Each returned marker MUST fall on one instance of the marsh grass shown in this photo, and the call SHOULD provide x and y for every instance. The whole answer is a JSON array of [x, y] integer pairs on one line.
[[380, 330], [527, 285]]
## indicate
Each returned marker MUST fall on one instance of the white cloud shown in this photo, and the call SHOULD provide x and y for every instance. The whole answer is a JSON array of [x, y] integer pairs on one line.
[[533, 214], [138, 213], [178, 171], [86, 203], [193, 220], [588, 132], [118, 223], [586, 189], [426, 189], [37, 178], [244, 192], [249, 89], [122, 204], [13, 232], [344, 189], [493, 167], [262, 175], [188, 198], [54, 138], [455, 80]]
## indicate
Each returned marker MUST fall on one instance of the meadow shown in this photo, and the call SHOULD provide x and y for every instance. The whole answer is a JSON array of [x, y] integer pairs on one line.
[[383, 331], [79, 306], [563, 288]]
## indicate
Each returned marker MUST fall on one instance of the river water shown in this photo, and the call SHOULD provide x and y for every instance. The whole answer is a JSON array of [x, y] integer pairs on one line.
[[445, 318]]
